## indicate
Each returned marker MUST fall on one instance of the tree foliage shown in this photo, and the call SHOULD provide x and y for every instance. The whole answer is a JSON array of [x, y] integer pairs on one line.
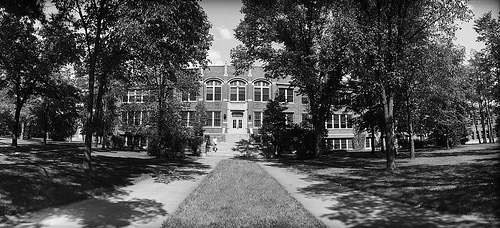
[[311, 42], [29, 57], [488, 29], [146, 43], [274, 127], [392, 29]]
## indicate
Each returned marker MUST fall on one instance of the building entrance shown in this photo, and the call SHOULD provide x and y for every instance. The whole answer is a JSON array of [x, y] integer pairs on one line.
[[237, 123]]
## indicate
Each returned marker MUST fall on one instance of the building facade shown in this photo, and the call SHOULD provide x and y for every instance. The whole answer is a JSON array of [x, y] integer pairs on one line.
[[235, 105]]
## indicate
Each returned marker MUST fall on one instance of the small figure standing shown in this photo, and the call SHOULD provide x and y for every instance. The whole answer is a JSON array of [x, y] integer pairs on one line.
[[215, 145]]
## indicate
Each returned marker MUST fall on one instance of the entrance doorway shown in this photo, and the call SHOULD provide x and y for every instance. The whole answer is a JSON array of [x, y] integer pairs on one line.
[[237, 124]]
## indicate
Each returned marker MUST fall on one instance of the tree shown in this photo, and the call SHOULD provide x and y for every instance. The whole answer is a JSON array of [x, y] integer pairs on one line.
[[90, 20], [274, 126], [30, 8], [306, 41], [27, 61], [489, 32], [166, 39], [391, 29], [444, 105], [482, 78], [149, 38], [195, 132]]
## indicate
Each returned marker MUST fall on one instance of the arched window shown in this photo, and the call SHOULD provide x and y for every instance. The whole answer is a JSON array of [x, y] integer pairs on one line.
[[261, 91], [237, 91], [214, 89]]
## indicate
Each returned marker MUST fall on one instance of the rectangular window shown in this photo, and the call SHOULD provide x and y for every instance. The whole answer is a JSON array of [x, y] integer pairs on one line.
[[188, 96], [217, 119], [343, 143], [349, 144], [343, 121], [265, 94], [329, 144], [289, 96], [213, 119], [368, 143], [336, 121], [138, 96], [329, 122], [234, 94], [131, 96], [125, 98], [336, 144], [242, 94], [257, 119], [210, 93], [286, 94], [218, 94], [257, 94]]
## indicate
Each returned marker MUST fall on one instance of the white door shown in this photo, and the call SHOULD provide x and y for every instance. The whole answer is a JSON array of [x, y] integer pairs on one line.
[[237, 123]]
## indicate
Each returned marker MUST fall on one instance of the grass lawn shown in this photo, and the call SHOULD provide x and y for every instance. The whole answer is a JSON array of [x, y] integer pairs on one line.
[[238, 193], [37, 176], [463, 181]]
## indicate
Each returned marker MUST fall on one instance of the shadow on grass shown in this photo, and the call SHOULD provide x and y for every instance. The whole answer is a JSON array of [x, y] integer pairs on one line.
[[464, 188], [246, 147], [36, 177]]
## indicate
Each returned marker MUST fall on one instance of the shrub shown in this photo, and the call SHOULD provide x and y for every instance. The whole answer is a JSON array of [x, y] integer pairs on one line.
[[302, 141], [117, 142]]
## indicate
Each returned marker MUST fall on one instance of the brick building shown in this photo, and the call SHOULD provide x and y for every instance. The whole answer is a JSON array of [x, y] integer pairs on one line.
[[235, 108], [235, 105]]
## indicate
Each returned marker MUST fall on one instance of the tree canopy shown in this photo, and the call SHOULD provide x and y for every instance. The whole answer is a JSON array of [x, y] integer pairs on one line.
[[311, 42]]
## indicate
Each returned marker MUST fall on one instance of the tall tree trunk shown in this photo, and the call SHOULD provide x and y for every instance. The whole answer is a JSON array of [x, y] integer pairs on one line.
[[475, 125], [388, 103], [447, 141], [410, 128], [87, 163], [382, 139], [161, 93], [98, 108], [17, 116], [373, 139], [489, 122], [319, 127], [483, 124]]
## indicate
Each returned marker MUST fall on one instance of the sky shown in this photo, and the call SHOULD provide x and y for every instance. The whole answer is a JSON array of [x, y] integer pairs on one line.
[[225, 16]]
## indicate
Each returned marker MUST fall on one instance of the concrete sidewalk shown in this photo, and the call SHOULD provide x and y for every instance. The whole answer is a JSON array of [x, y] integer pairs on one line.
[[144, 204], [338, 206]]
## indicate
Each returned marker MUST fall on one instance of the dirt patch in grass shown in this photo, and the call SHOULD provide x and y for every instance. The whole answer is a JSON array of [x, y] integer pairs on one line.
[[35, 177], [239, 193], [464, 182]]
